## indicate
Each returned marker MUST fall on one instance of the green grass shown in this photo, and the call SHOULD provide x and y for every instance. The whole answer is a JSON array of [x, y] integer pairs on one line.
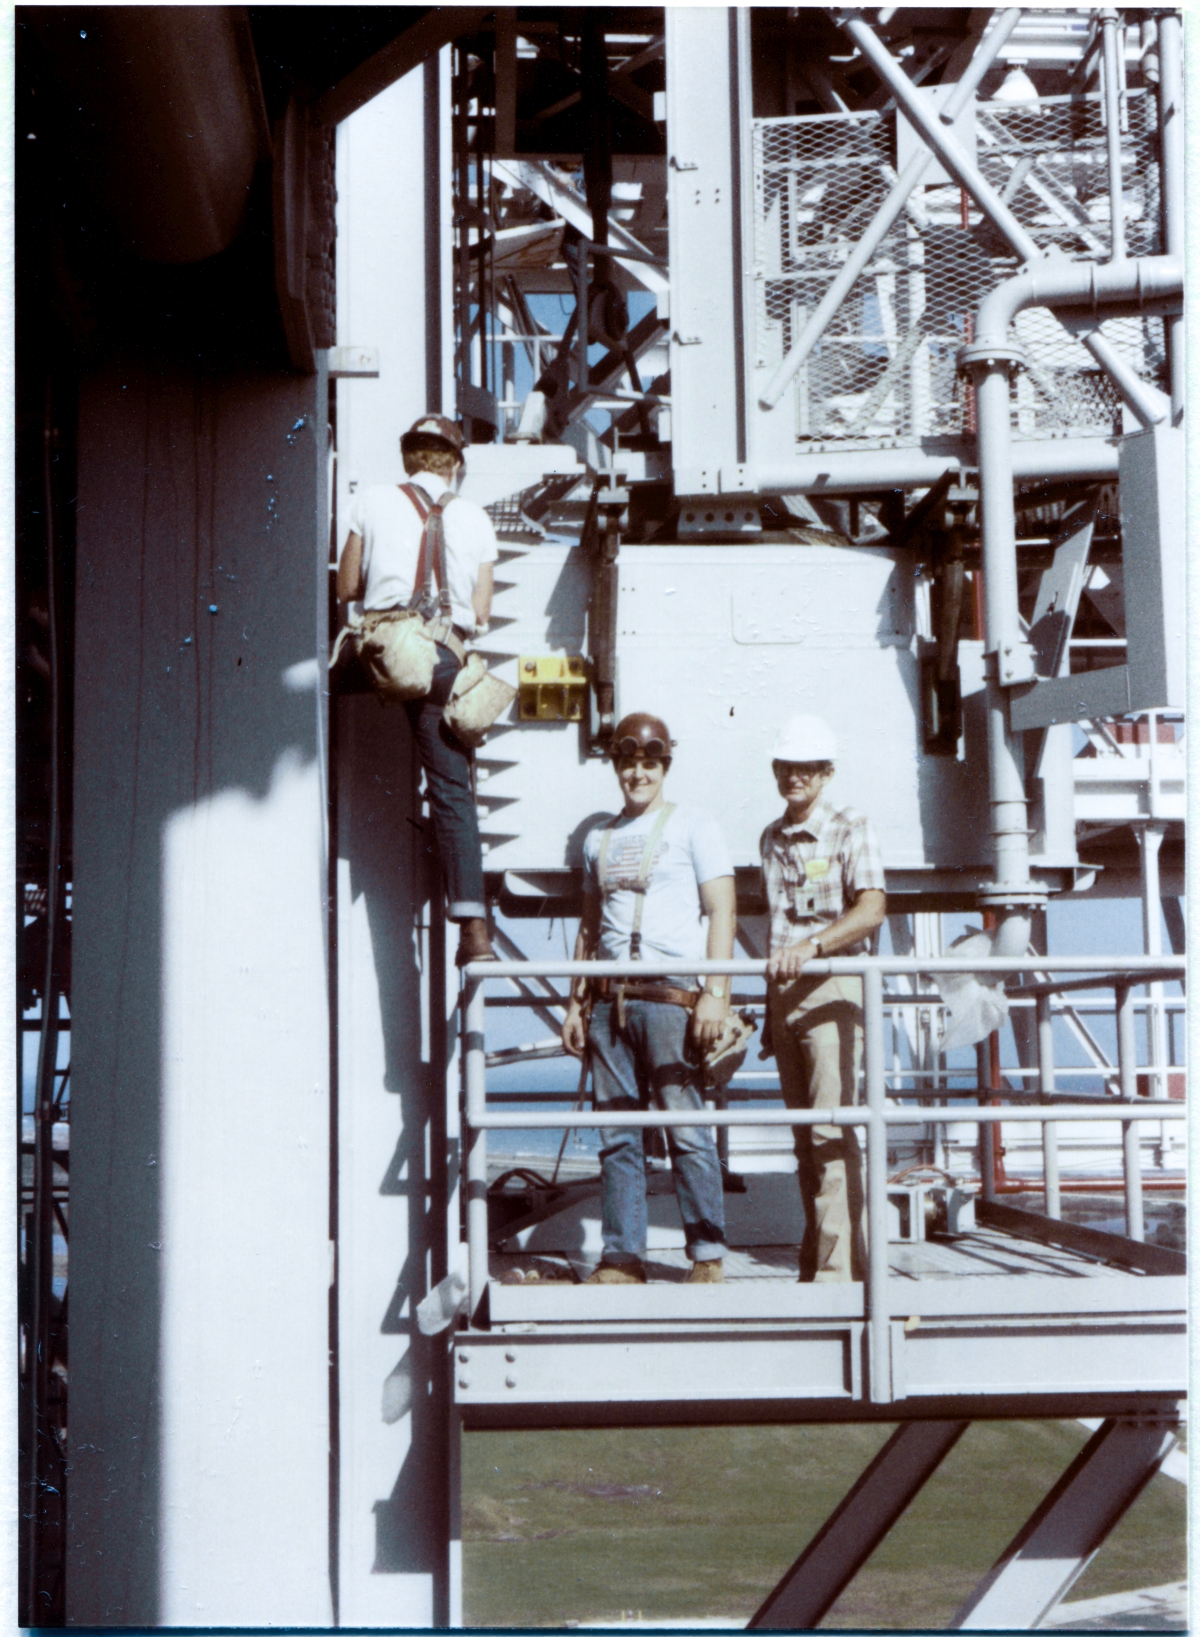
[[688, 1523]]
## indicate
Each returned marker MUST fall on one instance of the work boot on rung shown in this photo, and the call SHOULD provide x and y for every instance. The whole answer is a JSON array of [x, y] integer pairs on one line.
[[711, 1272], [473, 941], [617, 1273]]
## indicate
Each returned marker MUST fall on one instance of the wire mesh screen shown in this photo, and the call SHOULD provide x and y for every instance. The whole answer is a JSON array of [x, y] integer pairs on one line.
[[885, 372]]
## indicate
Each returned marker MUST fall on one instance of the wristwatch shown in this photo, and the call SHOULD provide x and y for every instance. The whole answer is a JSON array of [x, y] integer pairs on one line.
[[716, 990], [815, 941]]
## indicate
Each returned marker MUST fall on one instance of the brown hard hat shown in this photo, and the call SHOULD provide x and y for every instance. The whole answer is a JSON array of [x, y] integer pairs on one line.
[[641, 735], [433, 427]]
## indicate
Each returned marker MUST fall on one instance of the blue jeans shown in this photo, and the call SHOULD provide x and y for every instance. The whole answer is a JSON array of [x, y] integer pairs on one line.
[[648, 1060], [447, 767]]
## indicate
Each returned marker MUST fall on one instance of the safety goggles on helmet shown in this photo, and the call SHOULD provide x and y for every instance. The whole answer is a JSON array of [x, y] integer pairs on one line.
[[656, 748]]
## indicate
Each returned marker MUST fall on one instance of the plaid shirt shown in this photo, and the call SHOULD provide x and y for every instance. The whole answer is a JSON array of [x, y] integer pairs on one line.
[[813, 872]]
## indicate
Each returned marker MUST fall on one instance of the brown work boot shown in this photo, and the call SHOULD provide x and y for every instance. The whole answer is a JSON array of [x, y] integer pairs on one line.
[[473, 941], [711, 1272], [617, 1273]]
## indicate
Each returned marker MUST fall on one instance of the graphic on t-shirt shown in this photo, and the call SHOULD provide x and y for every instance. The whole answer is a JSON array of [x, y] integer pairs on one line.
[[624, 861]]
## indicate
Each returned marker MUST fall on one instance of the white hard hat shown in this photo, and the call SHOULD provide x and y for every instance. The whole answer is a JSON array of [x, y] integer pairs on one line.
[[804, 739]]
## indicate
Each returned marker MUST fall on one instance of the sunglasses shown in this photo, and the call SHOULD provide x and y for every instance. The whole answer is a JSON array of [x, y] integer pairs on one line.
[[803, 770], [631, 747]]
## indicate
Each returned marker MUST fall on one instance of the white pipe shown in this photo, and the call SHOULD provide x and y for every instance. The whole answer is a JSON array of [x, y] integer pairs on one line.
[[1110, 1108], [1045, 1040], [1150, 840], [1127, 1059], [1042, 284], [853, 470], [877, 1201], [1170, 120], [474, 1027], [835, 966], [881, 222], [1112, 131]]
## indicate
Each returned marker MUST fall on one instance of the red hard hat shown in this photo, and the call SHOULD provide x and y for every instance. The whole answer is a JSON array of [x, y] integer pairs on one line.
[[641, 735], [436, 427]]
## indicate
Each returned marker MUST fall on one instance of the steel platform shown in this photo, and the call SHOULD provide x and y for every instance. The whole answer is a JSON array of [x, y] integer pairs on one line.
[[1023, 1316]]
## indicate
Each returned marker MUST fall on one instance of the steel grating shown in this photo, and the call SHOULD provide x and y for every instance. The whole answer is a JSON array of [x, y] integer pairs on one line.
[[885, 372]]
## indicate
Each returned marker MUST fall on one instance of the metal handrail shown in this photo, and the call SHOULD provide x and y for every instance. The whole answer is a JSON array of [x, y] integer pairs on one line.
[[1124, 976]]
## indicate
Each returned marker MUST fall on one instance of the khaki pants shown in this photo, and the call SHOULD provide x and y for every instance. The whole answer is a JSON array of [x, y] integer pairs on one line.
[[817, 1030]]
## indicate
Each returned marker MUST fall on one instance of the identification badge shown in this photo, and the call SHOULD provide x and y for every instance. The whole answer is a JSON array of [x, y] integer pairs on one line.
[[817, 869]]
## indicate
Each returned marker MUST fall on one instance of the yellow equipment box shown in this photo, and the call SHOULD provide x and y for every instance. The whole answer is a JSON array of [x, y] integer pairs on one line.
[[551, 687]]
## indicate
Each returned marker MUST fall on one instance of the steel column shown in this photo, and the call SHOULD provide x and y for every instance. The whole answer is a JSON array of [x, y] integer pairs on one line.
[[877, 1203], [855, 1528], [1050, 1553]]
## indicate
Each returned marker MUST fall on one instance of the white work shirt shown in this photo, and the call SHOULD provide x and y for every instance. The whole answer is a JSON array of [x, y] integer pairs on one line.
[[690, 851], [390, 528]]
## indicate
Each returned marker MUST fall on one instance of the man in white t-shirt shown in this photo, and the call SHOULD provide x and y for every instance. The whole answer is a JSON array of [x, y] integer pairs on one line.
[[378, 567], [652, 876]]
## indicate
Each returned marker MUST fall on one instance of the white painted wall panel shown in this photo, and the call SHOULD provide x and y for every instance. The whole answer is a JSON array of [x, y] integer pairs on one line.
[[200, 1097]]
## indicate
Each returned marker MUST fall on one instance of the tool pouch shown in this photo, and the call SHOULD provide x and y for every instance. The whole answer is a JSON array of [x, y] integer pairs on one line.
[[476, 700], [725, 1057], [397, 653]]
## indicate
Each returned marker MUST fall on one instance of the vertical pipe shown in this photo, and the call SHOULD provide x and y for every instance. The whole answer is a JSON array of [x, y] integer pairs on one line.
[[1112, 131], [1045, 1052], [1170, 125], [877, 1234], [987, 1132], [1150, 839], [1006, 773], [1130, 1136], [476, 1081]]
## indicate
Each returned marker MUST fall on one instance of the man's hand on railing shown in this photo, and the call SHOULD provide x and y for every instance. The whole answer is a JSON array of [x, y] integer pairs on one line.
[[574, 1029], [787, 963], [708, 1019]]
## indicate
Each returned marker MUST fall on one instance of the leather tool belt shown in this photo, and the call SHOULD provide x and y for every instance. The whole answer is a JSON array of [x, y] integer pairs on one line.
[[665, 994]]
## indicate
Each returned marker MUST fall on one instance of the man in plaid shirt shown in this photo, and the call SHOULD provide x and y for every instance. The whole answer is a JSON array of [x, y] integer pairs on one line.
[[825, 888]]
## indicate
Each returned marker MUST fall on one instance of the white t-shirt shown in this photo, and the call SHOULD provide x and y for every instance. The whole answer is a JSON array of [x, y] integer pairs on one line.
[[691, 850], [390, 528]]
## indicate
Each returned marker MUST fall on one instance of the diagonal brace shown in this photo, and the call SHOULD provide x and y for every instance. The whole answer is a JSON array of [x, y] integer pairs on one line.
[[1045, 1559], [855, 1528]]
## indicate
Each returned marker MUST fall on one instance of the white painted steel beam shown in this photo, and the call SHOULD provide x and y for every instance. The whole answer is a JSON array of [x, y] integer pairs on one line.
[[200, 1255], [569, 204], [704, 218], [999, 1360], [1049, 1554], [855, 1528]]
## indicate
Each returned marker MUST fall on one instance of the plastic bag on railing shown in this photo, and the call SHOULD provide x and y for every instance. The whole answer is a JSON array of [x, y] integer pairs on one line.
[[438, 1310], [975, 1004]]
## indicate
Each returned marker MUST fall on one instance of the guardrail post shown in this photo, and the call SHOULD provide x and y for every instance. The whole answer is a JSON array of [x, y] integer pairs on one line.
[[1045, 1053], [1131, 1135], [877, 1226], [987, 1132], [476, 1080]]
